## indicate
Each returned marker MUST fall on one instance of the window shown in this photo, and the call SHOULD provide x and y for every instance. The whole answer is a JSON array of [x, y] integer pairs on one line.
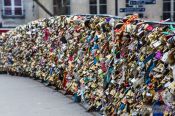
[[174, 17], [174, 11], [12, 8], [98, 4], [93, 2], [174, 6], [67, 5], [55, 7], [167, 6], [93, 6], [166, 9], [61, 7], [103, 7], [166, 15]]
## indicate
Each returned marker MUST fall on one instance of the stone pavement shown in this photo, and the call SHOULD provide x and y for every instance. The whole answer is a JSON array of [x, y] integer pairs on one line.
[[26, 97]]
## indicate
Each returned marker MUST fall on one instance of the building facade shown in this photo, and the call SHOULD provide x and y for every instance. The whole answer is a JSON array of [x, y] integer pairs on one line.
[[17, 12], [151, 9]]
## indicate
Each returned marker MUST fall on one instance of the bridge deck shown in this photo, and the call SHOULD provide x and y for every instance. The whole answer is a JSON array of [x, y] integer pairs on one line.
[[26, 97]]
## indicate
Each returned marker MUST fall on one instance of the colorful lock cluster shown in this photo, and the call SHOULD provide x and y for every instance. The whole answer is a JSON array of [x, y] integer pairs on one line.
[[115, 66]]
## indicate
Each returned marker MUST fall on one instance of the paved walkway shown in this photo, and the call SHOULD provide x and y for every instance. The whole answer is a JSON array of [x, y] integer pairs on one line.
[[26, 97]]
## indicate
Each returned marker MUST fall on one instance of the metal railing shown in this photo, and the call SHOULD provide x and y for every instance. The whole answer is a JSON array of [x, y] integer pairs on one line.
[[165, 22]]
